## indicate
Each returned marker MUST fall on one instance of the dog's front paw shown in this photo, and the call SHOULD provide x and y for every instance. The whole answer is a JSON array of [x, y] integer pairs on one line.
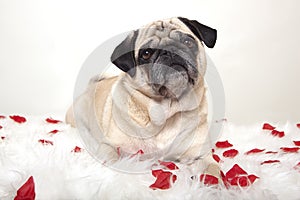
[[213, 169], [206, 165]]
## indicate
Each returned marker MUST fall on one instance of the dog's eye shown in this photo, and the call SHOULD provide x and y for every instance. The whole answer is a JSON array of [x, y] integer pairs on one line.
[[147, 53], [188, 42]]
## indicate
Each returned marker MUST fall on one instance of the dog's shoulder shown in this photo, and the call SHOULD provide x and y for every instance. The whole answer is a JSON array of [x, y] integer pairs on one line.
[[102, 82], [99, 78], [102, 88]]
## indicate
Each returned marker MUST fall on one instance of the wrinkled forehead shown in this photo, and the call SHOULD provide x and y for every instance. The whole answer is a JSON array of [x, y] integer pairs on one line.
[[159, 30]]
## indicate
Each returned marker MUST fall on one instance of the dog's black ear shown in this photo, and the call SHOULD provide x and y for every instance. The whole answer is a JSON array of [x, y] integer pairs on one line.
[[204, 33], [123, 55]]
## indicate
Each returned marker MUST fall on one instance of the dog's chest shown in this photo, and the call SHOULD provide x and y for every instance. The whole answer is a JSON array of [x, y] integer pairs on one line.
[[168, 137], [133, 122]]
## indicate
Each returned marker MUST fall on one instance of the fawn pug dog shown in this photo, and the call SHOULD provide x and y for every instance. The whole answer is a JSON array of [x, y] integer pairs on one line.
[[158, 102]]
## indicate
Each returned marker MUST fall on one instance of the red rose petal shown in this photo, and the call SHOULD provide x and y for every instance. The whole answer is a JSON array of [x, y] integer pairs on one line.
[[235, 171], [76, 149], [18, 119], [26, 191], [122, 153], [216, 158], [139, 152], [163, 179], [169, 165], [230, 153], [252, 151], [298, 125], [267, 126], [297, 143], [223, 144], [119, 151], [297, 166], [271, 152], [243, 181], [277, 133], [52, 121], [156, 172], [45, 142], [54, 131], [252, 178], [213, 150], [222, 174], [237, 176], [239, 180], [270, 161], [2, 137], [1, 127], [2, 117], [274, 132], [290, 149], [226, 183], [209, 179]]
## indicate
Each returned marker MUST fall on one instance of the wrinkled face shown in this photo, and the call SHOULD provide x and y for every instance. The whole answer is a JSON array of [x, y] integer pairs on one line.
[[168, 57], [165, 58]]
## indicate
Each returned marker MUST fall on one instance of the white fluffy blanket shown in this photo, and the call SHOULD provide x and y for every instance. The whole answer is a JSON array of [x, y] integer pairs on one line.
[[52, 158]]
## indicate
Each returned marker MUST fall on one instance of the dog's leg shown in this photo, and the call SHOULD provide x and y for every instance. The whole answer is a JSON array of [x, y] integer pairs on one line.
[[206, 165], [212, 167], [70, 117]]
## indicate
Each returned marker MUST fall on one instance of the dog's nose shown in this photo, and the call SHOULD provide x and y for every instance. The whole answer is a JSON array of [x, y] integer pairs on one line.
[[165, 53], [169, 54], [170, 58], [165, 56]]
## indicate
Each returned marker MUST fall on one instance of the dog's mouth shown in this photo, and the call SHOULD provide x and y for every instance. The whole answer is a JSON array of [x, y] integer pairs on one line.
[[163, 91], [171, 81], [192, 75], [171, 74]]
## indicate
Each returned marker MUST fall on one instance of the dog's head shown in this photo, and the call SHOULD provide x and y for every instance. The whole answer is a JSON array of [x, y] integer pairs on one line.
[[165, 58]]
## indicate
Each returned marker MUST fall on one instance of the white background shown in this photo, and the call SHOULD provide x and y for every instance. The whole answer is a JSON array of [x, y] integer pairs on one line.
[[44, 43]]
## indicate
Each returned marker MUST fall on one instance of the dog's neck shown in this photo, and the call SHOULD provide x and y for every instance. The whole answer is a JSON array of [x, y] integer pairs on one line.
[[147, 114]]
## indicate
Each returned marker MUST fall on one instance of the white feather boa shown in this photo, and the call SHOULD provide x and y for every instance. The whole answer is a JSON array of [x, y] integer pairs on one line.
[[61, 171]]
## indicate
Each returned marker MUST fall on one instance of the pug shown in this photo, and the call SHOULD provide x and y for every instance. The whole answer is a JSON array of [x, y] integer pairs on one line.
[[157, 104]]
